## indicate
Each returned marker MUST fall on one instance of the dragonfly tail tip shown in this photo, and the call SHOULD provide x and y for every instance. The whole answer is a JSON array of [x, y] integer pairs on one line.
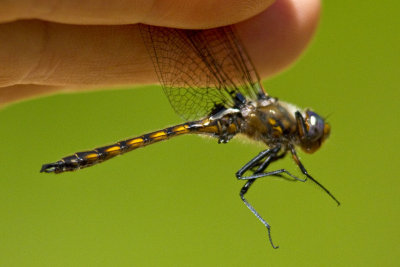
[[50, 167]]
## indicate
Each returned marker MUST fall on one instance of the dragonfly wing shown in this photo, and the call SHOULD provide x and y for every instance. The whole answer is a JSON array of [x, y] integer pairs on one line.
[[201, 69]]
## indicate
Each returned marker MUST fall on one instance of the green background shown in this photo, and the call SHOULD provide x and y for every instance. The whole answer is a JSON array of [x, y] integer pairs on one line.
[[176, 203]]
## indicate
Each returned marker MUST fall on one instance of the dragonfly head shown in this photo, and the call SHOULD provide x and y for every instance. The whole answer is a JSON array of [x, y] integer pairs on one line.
[[313, 130]]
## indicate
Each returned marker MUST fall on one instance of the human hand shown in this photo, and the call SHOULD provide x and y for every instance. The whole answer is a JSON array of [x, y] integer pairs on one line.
[[99, 45]]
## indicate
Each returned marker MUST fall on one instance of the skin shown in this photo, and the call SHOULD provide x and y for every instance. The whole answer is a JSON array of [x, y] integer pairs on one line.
[[75, 45]]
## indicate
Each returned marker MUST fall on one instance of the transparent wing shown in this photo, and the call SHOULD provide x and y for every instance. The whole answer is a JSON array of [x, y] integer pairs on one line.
[[201, 69]]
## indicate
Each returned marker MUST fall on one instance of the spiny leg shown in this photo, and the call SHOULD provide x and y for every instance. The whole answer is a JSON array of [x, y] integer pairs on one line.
[[257, 165], [260, 164], [259, 172], [304, 171], [243, 191], [256, 160]]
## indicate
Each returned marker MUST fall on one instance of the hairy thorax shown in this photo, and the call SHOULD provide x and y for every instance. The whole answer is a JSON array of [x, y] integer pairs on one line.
[[271, 122]]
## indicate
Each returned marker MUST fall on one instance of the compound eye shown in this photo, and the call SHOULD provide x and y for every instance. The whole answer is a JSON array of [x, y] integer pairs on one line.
[[315, 125]]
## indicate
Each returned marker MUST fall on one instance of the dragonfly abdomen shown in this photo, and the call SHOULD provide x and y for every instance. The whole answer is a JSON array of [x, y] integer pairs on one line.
[[88, 158], [85, 159]]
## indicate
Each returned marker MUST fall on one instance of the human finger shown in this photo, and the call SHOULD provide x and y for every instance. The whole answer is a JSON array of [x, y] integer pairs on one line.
[[18, 92], [88, 56], [277, 37], [169, 13]]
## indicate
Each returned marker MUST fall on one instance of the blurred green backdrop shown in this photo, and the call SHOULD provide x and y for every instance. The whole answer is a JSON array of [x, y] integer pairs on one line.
[[176, 203]]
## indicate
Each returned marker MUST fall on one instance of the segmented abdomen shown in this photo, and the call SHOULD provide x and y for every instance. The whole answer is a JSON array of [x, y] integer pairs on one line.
[[85, 159]]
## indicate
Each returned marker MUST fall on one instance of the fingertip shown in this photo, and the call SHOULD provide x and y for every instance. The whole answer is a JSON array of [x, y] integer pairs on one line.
[[276, 37]]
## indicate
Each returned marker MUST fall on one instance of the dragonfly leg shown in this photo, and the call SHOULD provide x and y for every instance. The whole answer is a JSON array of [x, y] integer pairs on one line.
[[257, 160], [260, 163], [304, 171], [272, 173], [243, 191]]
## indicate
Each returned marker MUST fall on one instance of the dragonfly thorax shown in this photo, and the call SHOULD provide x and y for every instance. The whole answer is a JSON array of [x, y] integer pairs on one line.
[[270, 122], [276, 123]]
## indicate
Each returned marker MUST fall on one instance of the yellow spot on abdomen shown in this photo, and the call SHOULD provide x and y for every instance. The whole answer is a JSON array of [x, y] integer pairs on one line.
[[135, 142], [91, 156], [160, 135], [181, 129], [113, 149]]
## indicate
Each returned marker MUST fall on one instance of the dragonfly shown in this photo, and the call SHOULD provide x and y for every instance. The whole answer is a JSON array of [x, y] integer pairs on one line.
[[212, 84]]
